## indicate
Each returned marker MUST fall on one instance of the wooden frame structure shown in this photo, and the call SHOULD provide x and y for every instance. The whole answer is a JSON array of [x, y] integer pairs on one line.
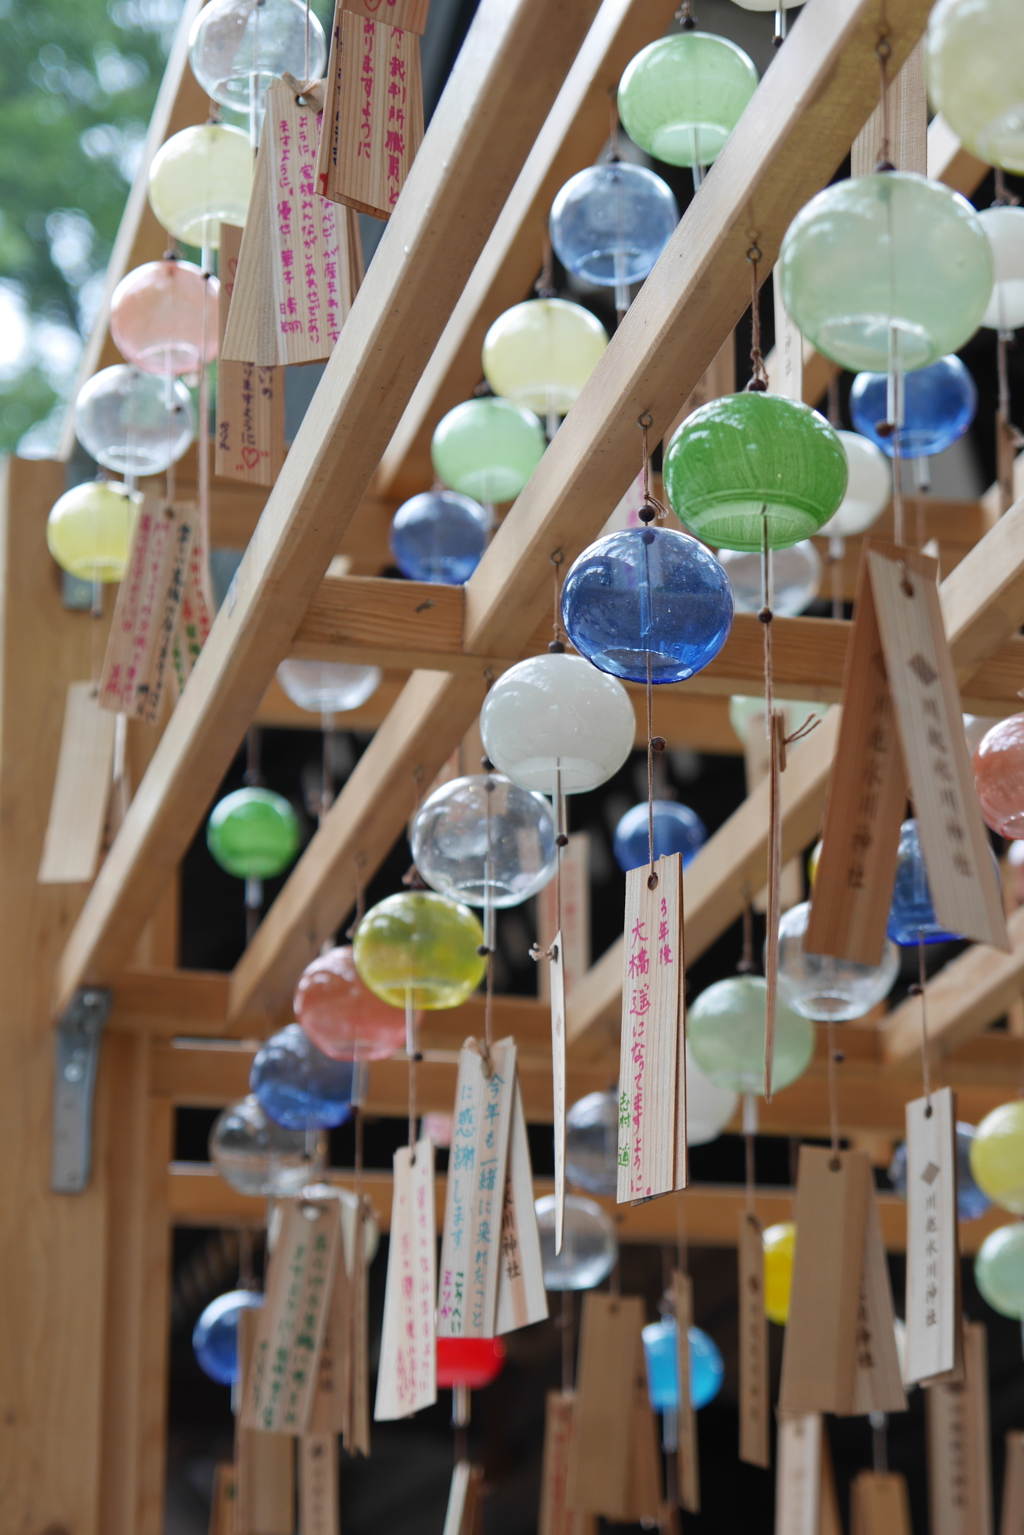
[[84, 1324]]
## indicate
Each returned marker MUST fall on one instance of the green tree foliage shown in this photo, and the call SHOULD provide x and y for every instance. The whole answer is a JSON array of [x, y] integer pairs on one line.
[[78, 79]]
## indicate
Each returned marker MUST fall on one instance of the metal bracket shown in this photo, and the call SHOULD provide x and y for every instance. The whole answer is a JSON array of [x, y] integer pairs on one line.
[[76, 1050]]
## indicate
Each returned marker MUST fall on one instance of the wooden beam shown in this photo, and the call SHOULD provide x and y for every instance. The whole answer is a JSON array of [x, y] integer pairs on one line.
[[504, 80], [963, 998], [198, 1197], [180, 102], [983, 606], [215, 1074]]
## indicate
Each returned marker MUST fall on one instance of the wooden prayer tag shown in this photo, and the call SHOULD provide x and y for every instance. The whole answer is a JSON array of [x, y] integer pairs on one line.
[[330, 1411], [879, 1504], [686, 1417], [753, 1344], [81, 790], [292, 286], [264, 1463], [798, 1483], [147, 609], [933, 1309], [644, 1493], [575, 946], [522, 1298], [318, 1485], [556, 993], [840, 1352], [1012, 1519], [373, 109], [474, 1196], [652, 1070], [293, 1319], [599, 1473], [867, 794], [463, 1499], [222, 1503], [407, 1377], [357, 1437], [954, 842], [249, 439], [556, 1517], [959, 1472]]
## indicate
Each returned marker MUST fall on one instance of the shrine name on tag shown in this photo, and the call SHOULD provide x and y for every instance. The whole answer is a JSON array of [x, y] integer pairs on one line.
[[293, 1319], [962, 878], [753, 1341], [933, 1309], [522, 1298], [959, 1468], [686, 1418], [407, 1377], [194, 619], [867, 794], [652, 1073], [474, 1196]]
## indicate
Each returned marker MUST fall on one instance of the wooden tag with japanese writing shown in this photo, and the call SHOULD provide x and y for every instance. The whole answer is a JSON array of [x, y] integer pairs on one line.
[[575, 927], [249, 437], [556, 994], [652, 1073], [1011, 1521], [330, 1411], [954, 842], [819, 1355], [194, 615], [318, 1485], [933, 1308], [522, 1298], [599, 1477], [879, 1504], [407, 1376], [686, 1417], [81, 790], [877, 1382], [867, 794], [222, 1503], [475, 1191], [287, 304], [798, 1483], [146, 611], [264, 1463], [753, 1344], [293, 1318], [959, 1471], [373, 111], [556, 1517], [357, 1436]]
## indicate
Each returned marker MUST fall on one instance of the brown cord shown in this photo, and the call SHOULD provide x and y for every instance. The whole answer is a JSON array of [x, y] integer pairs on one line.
[[759, 373], [833, 1094], [544, 287], [920, 991], [557, 558], [883, 53]]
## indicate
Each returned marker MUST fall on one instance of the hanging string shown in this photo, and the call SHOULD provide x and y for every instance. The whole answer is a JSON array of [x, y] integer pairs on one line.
[[413, 1055], [650, 509], [746, 960], [203, 447], [253, 887], [556, 646], [489, 917], [836, 544], [834, 1057], [684, 16], [306, 40], [919, 990], [565, 1322], [759, 379], [883, 53], [613, 133], [748, 1157], [360, 864]]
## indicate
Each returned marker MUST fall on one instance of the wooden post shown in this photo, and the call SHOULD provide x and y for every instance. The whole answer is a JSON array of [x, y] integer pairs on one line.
[[84, 1320]]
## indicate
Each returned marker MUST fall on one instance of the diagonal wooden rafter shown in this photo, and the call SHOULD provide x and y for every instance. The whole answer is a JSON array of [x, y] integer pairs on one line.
[[507, 74], [795, 131], [983, 606]]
